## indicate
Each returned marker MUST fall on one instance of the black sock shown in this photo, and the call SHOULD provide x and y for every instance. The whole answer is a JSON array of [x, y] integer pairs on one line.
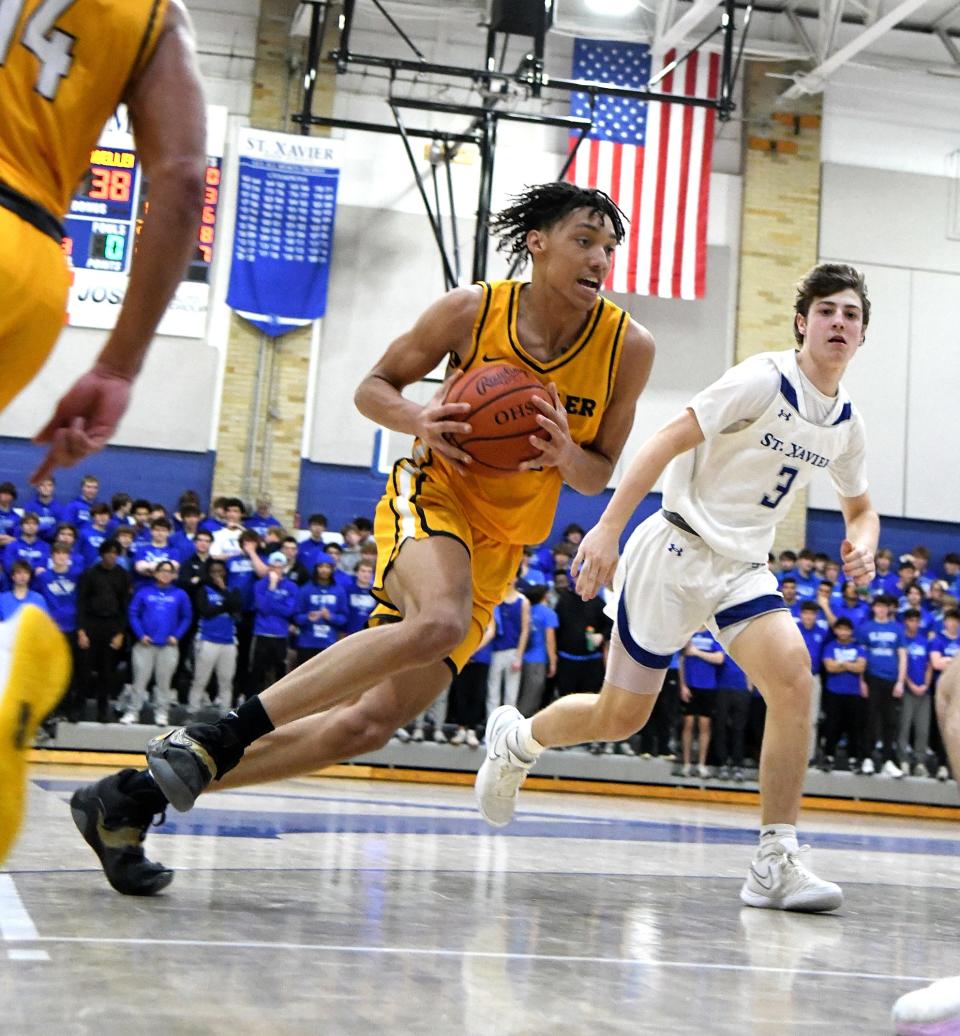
[[248, 722]]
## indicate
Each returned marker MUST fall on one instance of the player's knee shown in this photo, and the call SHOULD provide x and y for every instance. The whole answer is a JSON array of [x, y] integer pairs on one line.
[[621, 723], [439, 633], [365, 729]]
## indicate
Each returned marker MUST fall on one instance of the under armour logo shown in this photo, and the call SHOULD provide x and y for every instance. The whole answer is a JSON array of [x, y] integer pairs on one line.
[[785, 414], [674, 549]]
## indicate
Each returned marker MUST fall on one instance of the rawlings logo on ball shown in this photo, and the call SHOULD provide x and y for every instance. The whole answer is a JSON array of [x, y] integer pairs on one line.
[[504, 375]]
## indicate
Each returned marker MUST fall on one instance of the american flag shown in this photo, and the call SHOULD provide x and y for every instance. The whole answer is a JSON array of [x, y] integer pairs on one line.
[[653, 160]]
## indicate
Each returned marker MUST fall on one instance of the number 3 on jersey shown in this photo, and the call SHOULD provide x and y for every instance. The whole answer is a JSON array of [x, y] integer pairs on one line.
[[52, 46], [782, 487]]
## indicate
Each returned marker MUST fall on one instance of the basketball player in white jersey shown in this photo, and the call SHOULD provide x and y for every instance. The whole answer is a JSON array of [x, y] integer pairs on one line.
[[737, 455], [935, 1010]]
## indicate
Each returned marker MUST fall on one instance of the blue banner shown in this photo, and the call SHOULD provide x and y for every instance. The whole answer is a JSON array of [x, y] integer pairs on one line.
[[283, 240]]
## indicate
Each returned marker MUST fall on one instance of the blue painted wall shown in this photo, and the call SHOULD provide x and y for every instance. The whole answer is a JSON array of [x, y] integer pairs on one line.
[[901, 535], [157, 475]]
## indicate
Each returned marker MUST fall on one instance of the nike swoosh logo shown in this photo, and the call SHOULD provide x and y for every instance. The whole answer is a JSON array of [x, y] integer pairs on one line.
[[765, 881], [490, 359]]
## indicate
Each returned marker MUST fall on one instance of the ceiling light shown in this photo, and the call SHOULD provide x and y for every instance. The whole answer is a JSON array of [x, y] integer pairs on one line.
[[613, 8]]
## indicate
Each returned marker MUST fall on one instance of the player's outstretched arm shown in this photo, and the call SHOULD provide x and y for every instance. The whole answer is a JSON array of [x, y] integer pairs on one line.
[[167, 111], [599, 550]]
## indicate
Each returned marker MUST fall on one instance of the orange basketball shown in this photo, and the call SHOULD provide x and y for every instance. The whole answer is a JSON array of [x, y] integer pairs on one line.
[[503, 415]]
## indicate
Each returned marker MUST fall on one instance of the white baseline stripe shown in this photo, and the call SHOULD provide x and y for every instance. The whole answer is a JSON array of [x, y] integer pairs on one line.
[[480, 954], [16, 925]]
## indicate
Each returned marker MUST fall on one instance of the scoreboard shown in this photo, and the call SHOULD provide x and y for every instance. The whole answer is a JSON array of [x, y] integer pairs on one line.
[[103, 225]]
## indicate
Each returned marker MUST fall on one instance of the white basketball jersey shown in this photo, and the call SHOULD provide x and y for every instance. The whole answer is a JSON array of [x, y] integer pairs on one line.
[[736, 486]]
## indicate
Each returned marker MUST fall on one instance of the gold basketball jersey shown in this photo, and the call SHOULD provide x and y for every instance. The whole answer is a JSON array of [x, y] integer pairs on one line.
[[520, 507], [64, 67]]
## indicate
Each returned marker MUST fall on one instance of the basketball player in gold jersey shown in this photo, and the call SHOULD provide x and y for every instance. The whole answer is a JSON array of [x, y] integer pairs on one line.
[[449, 536], [65, 65]]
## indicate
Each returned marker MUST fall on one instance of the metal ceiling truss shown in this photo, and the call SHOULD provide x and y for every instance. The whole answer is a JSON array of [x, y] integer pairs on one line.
[[495, 85]]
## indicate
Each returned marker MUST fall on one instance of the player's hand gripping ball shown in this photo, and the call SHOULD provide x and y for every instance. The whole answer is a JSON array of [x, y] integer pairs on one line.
[[502, 415]]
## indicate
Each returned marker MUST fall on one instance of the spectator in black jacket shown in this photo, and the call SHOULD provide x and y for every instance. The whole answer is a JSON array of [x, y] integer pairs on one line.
[[102, 598]]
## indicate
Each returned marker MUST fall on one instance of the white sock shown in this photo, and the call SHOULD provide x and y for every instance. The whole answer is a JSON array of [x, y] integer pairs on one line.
[[522, 743], [785, 834]]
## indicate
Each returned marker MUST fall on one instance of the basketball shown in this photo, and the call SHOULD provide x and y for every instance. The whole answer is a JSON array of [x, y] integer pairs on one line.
[[503, 415]]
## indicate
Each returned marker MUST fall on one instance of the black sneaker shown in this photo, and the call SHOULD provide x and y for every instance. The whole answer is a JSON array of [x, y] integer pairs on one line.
[[184, 761], [113, 816]]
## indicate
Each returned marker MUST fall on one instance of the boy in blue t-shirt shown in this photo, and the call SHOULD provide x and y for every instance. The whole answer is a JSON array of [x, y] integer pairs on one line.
[[946, 644], [915, 711], [540, 658], [702, 659], [885, 674], [844, 704], [814, 631]]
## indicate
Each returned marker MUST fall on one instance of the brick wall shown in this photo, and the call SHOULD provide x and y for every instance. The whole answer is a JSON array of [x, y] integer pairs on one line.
[[779, 230], [260, 434]]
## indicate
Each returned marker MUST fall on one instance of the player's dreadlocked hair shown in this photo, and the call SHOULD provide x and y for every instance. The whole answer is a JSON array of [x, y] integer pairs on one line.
[[543, 205]]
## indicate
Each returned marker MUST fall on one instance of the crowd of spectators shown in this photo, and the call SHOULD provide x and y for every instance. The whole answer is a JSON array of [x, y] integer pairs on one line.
[[201, 610]]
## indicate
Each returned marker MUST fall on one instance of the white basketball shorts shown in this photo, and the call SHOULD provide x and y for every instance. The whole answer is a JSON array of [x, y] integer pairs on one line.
[[669, 583]]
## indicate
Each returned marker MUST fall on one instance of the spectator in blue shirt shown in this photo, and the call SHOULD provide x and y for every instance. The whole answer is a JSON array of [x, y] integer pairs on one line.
[[789, 590], [293, 570], [916, 707], [360, 600], [808, 579], [219, 609], [512, 619], [786, 566], [540, 658], [215, 520], [884, 676], [121, 504], [814, 633], [146, 556], [730, 719], [9, 519], [77, 512], [160, 615], [321, 613], [275, 602], [243, 571], [57, 585], [123, 538], [27, 546], [19, 592], [851, 605], [951, 573], [915, 601], [844, 696], [261, 520], [94, 533], [188, 525], [702, 659], [314, 544], [945, 645], [140, 512], [885, 580], [47, 510], [529, 575]]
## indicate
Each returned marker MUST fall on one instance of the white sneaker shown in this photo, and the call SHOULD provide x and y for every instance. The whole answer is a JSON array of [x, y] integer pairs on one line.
[[160, 718], [472, 740], [417, 734], [920, 771], [499, 778], [130, 716], [459, 737], [778, 880], [703, 772], [890, 769], [438, 736], [934, 1011], [685, 770], [867, 767], [402, 735], [943, 774]]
